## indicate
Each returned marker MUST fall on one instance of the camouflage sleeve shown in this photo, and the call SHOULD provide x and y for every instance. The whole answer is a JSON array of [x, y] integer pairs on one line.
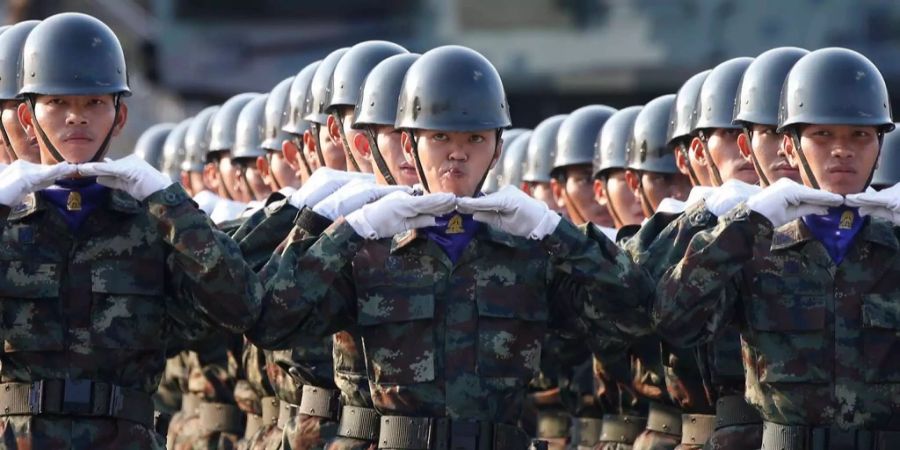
[[603, 293], [205, 267], [258, 244], [695, 298], [672, 241], [311, 294]]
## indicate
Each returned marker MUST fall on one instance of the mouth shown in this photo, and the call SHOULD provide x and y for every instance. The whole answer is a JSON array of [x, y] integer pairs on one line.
[[78, 139], [841, 170], [454, 172], [784, 167]]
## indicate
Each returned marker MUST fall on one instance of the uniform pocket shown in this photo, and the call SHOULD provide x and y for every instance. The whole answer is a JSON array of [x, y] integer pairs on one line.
[[881, 338], [128, 306], [31, 310], [511, 328], [398, 333], [788, 336]]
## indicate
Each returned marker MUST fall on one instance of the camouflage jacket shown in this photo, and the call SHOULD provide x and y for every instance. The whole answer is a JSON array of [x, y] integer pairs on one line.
[[99, 303], [459, 340], [819, 340]]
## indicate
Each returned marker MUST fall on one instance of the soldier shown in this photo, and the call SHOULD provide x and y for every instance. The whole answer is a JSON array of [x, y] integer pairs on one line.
[[149, 145], [220, 170], [495, 176], [196, 144], [280, 171], [20, 144], [572, 170], [888, 172], [514, 159], [346, 81], [459, 291], [317, 138], [293, 124], [804, 276], [539, 163], [174, 152], [247, 149], [96, 271], [679, 133], [609, 169]]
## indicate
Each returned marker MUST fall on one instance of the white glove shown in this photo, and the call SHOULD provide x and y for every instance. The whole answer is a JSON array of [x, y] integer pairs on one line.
[[321, 184], [512, 211], [785, 200], [399, 212], [352, 196], [730, 195], [884, 204], [22, 178], [130, 174]]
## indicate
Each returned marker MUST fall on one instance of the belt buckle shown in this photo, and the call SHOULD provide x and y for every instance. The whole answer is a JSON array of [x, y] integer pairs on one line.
[[36, 397], [77, 396]]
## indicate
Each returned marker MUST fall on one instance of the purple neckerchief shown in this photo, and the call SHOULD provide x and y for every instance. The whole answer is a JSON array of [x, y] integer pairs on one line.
[[453, 232], [835, 230], [76, 199]]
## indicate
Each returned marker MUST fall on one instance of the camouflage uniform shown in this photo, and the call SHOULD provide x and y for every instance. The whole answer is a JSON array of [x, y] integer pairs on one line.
[[97, 304], [817, 338], [478, 331]]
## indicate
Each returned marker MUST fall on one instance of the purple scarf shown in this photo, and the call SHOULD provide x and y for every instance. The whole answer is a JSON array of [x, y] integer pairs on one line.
[[76, 199], [836, 230], [452, 233]]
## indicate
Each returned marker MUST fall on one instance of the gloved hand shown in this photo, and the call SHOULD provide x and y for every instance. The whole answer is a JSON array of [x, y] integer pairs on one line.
[[22, 178], [130, 174], [512, 211], [884, 204], [321, 184], [352, 196], [786, 200], [729, 195], [399, 212]]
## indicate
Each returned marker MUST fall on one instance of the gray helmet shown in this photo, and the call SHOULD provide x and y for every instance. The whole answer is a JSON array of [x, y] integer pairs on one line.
[[888, 172], [224, 123], [647, 149], [250, 126], [149, 145], [682, 118], [380, 91], [11, 43], [542, 150], [452, 88], [293, 120], [73, 54], [174, 151], [514, 162], [835, 86], [196, 141], [577, 135], [353, 68], [276, 109], [714, 108], [319, 90], [760, 87], [613, 140], [494, 178]]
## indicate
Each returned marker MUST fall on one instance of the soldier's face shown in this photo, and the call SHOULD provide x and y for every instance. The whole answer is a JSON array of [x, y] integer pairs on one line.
[[355, 137], [231, 180], [841, 157], [259, 190], [544, 192], [726, 155], [659, 186], [332, 150], [388, 140], [765, 143], [619, 197], [454, 161], [75, 124], [23, 144], [579, 197], [276, 171]]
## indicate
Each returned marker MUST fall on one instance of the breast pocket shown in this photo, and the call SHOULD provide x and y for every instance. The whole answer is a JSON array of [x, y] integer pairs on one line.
[[31, 310], [128, 307], [788, 334], [398, 333], [881, 338], [512, 322]]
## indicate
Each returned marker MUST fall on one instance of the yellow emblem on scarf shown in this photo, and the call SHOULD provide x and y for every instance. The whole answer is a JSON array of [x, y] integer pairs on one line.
[[73, 203], [455, 226], [846, 220]]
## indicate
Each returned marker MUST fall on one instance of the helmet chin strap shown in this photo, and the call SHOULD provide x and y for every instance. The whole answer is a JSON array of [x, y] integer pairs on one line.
[[609, 201], [687, 160], [269, 158], [316, 129], [644, 198], [300, 154], [380, 163], [347, 151], [717, 177], [795, 137], [763, 180], [101, 151], [9, 144]]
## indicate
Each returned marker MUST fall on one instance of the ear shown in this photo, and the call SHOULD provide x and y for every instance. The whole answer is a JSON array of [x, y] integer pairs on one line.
[[526, 188], [122, 118], [262, 165], [557, 188], [631, 179], [309, 146], [291, 154], [681, 161], [186, 183], [406, 145], [599, 192], [362, 145], [25, 117], [211, 176], [697, 151], [743, 143], [334, 131], [788, 145]]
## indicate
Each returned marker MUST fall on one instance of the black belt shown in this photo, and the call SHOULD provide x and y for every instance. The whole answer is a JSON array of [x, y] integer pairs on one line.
[[222, 417], [269, 411], [359, 423], [189, 403], [797, 437], [426, 433], [621, 428], [586, 431], [286, 411], [734, 410], [697, 428], [320, 402], [76, 398], [664, 419], [254, 423], [552, 424]]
